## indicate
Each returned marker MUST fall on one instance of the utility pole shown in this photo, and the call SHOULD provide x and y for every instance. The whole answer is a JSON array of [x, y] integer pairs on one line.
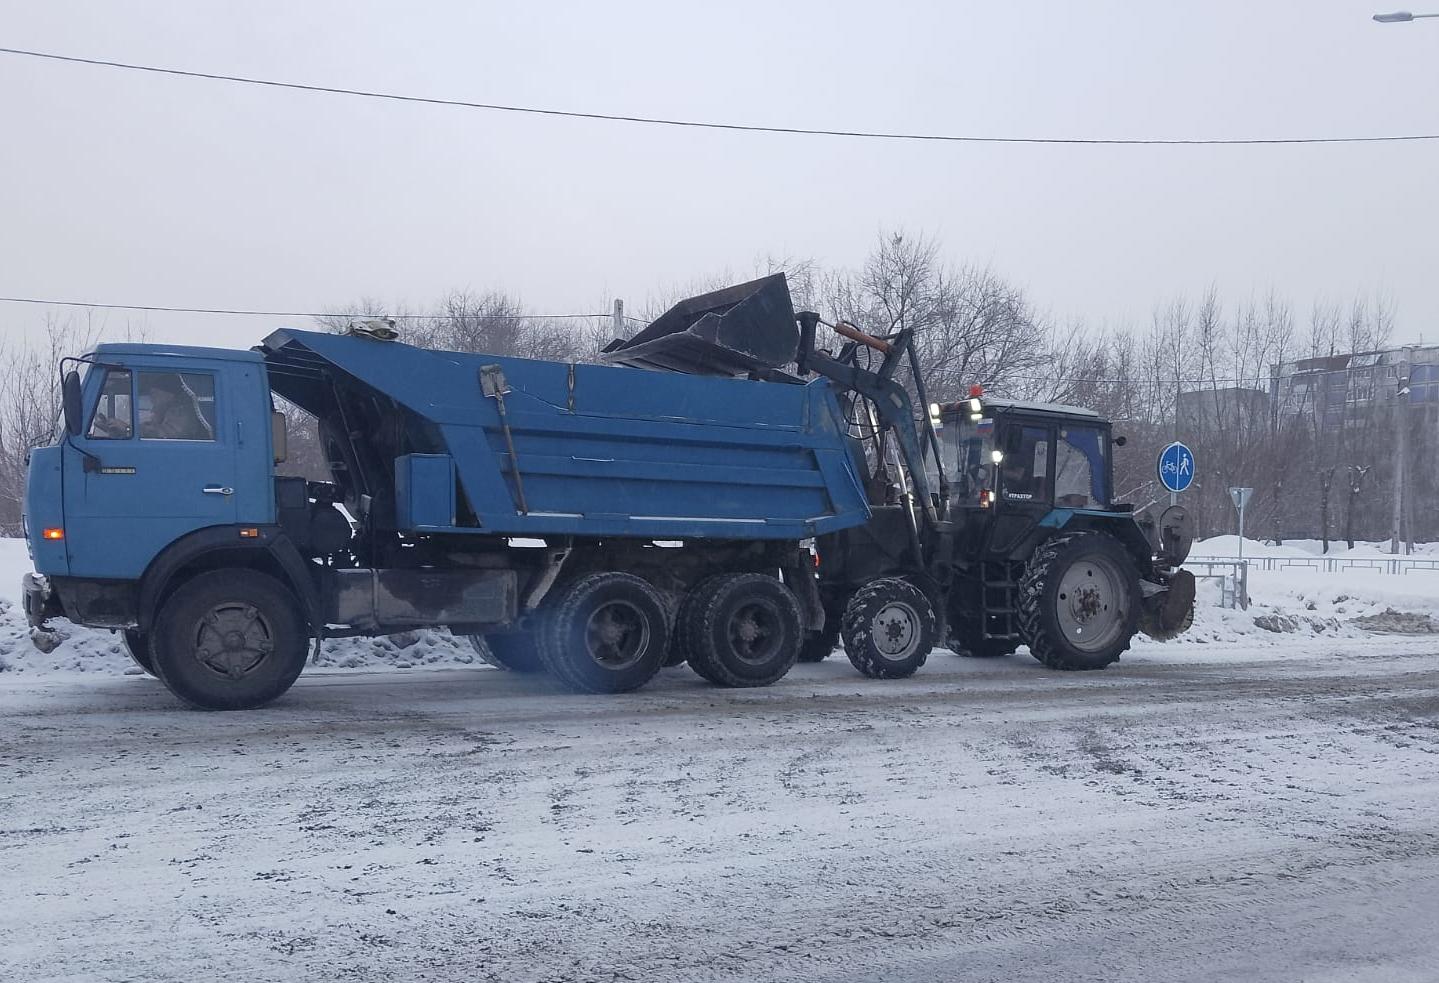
[[1401, 464], [619, 318]]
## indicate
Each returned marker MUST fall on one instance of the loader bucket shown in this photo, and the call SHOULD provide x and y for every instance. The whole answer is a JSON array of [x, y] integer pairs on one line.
[[733, 331]]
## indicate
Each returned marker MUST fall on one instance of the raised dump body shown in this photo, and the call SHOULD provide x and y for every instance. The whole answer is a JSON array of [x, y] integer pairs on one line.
[[489, 445]]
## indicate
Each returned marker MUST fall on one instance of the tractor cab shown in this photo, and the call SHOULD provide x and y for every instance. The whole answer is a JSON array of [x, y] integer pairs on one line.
[[1008, 456]]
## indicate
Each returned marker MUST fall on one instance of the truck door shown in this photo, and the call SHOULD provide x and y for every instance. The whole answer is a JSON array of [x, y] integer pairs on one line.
[[158, 458]]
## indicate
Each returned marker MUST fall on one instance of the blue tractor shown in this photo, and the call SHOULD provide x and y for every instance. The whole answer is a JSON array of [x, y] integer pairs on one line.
[[992, 522]]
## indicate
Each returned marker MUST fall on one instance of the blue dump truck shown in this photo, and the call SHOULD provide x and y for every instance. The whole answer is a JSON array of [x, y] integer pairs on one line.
[[596, 522]]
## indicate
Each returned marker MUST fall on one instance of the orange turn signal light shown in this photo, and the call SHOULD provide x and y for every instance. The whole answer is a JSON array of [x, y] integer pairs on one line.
[[53, 533], [249, 532]]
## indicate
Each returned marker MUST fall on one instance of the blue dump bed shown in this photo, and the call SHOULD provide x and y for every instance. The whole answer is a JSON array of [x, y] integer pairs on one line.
[[597, 450]]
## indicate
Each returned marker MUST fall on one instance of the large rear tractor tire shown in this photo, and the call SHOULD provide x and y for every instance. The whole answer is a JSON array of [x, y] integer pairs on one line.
[[742, 629], [229, 640], [605, 633], [1079, 601], [888, 629], [516, 651], [137, 643]]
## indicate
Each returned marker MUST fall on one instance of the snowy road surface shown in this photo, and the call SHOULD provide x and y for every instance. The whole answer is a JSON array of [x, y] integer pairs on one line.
[[1195, 813]]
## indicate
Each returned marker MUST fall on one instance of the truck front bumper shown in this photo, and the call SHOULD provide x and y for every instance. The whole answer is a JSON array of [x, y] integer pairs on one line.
[[39, 599]]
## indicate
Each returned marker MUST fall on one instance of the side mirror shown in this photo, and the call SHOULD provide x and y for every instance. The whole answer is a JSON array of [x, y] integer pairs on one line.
[[70, 401], [279, 441], [1121, 440]]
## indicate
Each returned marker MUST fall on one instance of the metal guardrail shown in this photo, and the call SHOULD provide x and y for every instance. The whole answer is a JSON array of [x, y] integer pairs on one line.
[[1233, 584], [1327, 564]]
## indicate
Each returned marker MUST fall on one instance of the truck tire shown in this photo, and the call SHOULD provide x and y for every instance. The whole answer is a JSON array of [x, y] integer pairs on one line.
[[742, 629], [1079, 601], [605, 633], [888, 629], [137, 643], [229, 640], [678, 652], [515, 651]]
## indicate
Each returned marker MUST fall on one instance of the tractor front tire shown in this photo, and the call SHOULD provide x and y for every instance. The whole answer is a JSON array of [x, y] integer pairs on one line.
[[888, 629], [1079, 602]]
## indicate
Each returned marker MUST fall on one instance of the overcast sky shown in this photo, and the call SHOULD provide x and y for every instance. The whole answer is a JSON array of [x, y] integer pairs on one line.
[[142, 189]]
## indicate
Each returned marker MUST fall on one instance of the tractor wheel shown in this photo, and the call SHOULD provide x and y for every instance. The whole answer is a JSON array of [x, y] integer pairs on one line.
[[605, 633], [516, 651], [1079, 601], [983, 648], [137, 643], [229, 640], [743, 629], [888, 629], [818, 646]]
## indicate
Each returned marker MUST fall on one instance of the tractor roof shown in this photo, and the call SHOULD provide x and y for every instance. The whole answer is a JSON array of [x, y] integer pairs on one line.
[[1022, 407]]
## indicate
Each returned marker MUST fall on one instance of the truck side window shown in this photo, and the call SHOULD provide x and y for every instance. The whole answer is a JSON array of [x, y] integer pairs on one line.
[[1079, 468], [114, 417], [174, 405]]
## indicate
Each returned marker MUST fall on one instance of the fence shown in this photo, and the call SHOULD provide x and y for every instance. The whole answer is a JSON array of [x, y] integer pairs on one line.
[[1233, 577], [1327, 564]]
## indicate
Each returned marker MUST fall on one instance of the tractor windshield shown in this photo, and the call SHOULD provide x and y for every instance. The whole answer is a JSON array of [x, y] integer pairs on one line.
[[968, 449]]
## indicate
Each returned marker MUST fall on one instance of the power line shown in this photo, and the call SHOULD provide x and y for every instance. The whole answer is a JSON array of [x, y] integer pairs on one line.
[[710, 125], [217, 310]]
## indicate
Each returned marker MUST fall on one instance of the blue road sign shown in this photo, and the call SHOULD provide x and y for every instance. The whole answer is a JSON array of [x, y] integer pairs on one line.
[[1176, 467]]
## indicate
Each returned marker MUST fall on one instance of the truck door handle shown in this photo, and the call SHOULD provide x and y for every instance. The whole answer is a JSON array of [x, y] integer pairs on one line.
[[218, 490]]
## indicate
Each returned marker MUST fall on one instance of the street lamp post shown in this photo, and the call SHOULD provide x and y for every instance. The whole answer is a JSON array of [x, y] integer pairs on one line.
[[1401, 17]]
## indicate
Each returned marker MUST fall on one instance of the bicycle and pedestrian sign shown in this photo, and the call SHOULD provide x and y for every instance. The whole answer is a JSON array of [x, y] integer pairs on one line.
[[1176, 467]]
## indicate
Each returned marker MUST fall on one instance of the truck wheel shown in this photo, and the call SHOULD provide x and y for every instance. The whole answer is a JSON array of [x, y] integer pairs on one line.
[[1079, 601], [678, 652], [742, 629], [137, 643], [514, 651], [606, 633], [229, 640], [888, 629]]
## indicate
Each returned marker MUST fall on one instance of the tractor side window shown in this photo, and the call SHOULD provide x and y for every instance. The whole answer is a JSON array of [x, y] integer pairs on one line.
[[969, 445], [114, 417], [1024, 473], [177, 406], [1079, 468]]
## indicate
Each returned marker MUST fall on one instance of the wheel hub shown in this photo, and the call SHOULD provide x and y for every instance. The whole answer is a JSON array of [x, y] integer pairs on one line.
[[1092, 604], [233, 639], [895, 631], [753, 632], [616, 635]]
